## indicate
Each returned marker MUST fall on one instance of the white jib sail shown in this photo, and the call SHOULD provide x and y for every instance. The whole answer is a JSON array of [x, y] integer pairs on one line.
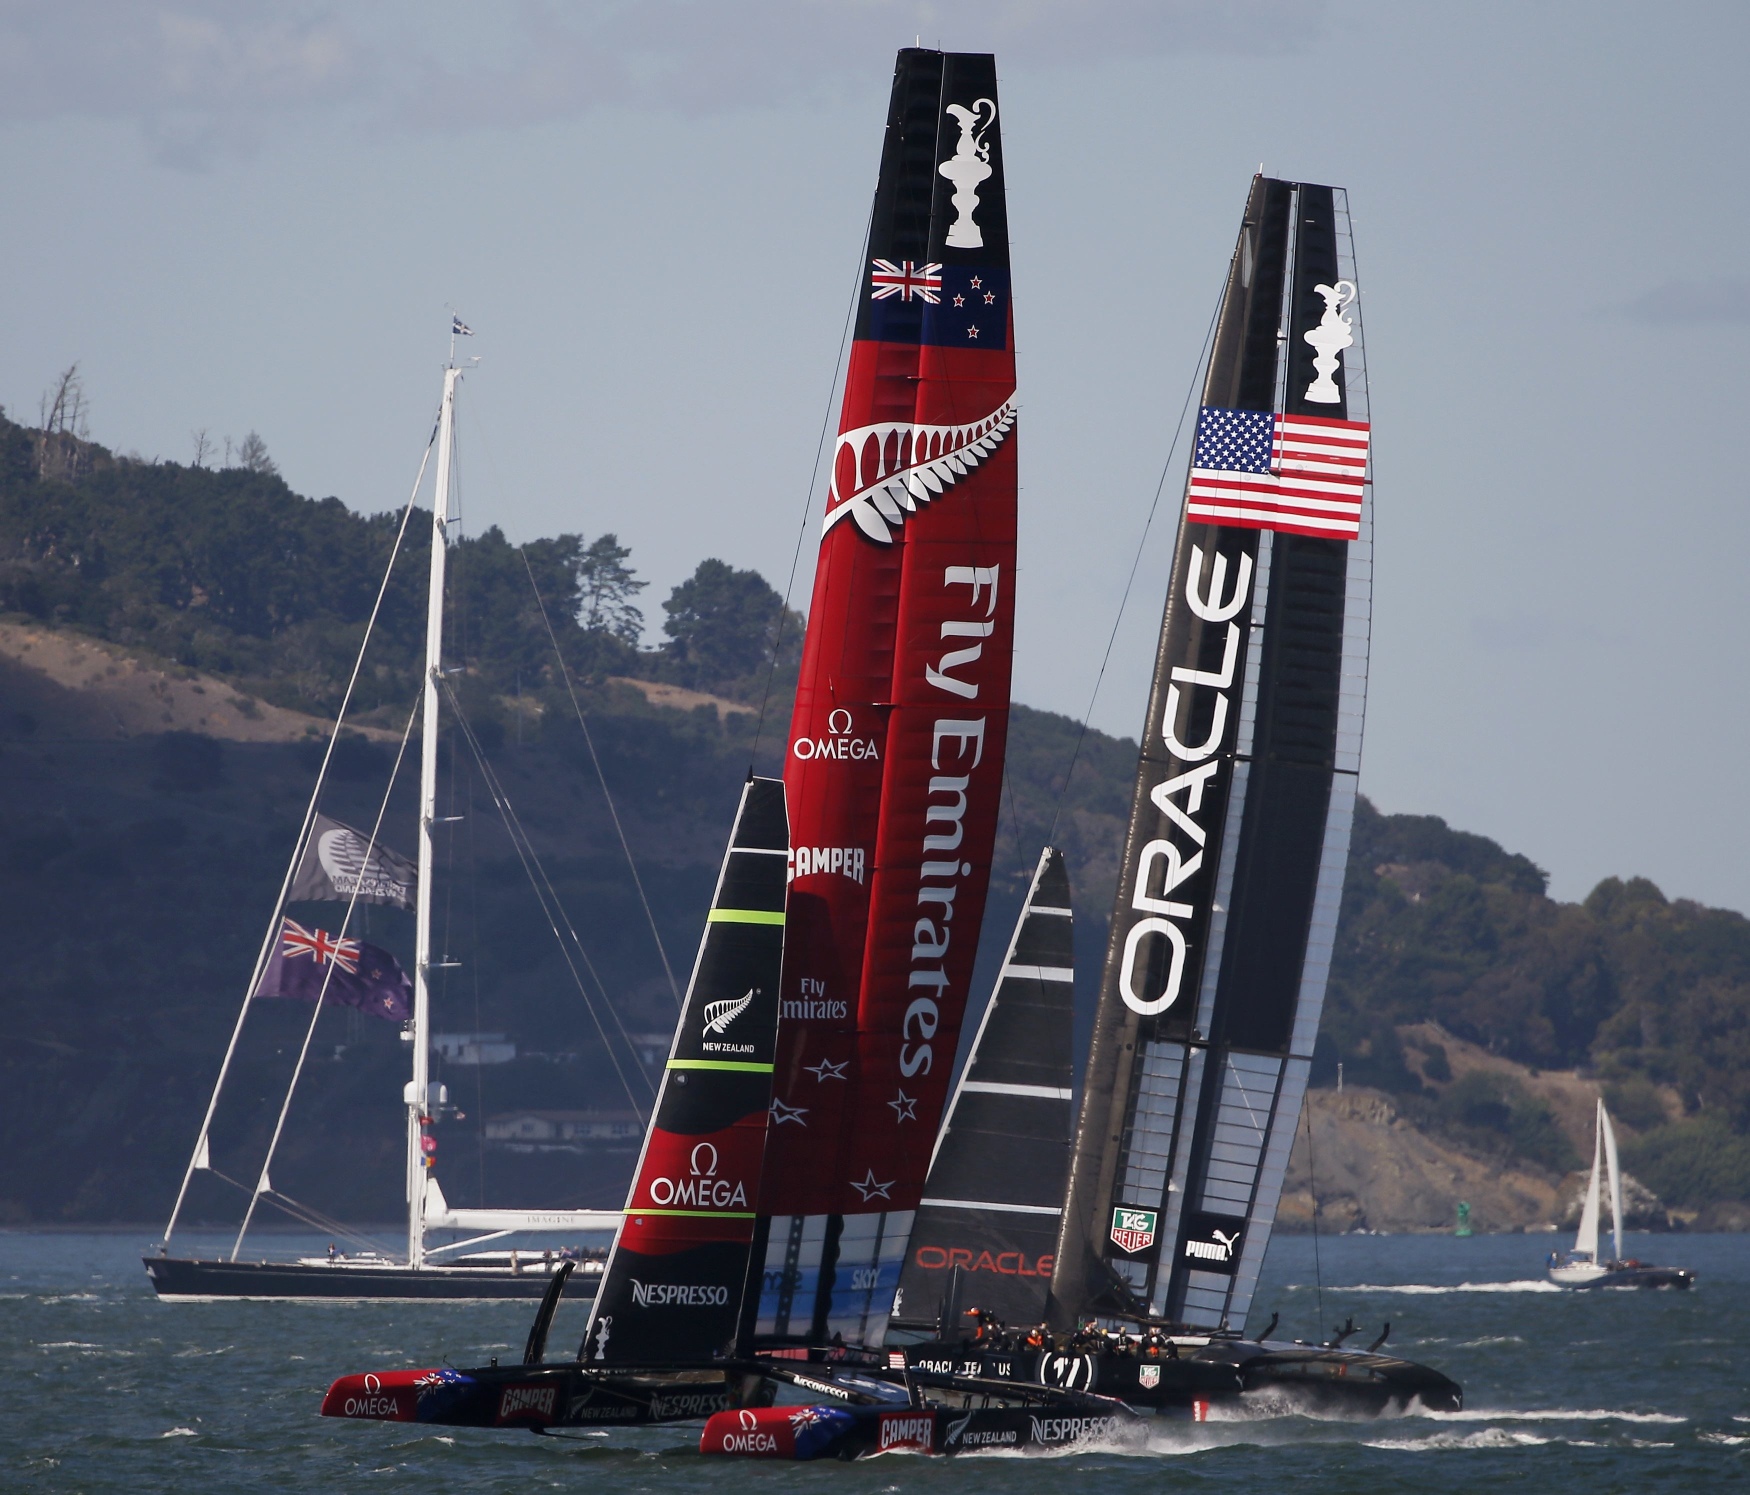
[[1586, 1242]]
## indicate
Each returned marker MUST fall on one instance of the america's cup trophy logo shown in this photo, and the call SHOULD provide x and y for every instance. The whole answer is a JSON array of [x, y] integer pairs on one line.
[[968, 169], [1334, 333]]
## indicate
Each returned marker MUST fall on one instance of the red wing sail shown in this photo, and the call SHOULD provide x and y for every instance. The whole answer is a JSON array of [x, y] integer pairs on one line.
[[896, 745]]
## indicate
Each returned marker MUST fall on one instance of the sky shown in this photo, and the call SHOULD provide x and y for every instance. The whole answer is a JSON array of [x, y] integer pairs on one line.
[[261, 217]]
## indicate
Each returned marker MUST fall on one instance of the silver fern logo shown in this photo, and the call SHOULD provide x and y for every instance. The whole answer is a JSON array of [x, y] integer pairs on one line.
[[885, 471], [719, 1015]]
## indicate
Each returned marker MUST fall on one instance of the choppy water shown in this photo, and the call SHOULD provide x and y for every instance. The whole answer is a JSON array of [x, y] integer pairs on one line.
[[104, 1389]]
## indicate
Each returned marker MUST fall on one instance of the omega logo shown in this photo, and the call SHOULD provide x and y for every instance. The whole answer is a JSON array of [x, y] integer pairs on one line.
[[840, 742], [704, 1188]]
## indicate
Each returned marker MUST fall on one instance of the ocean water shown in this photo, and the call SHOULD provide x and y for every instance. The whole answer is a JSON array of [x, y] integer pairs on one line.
[[105, 1389]]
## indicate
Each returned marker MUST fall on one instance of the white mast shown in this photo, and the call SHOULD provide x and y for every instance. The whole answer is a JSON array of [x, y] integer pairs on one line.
[[420, 1093]]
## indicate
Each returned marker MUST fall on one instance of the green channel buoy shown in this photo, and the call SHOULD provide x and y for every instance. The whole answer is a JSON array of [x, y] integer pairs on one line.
[[1463, 1219]]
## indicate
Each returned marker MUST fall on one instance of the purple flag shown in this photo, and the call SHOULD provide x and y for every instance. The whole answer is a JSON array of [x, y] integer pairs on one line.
[[364, 976]]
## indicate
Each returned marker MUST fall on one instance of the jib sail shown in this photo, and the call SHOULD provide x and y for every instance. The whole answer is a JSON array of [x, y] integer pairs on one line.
[[987, 1226], [896, 743], [672, 1290], [1233, 870]]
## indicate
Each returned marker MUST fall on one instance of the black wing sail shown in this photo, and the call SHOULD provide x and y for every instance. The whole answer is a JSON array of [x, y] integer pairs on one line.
[[994, 1197], [672, 1290], [1233, 869]]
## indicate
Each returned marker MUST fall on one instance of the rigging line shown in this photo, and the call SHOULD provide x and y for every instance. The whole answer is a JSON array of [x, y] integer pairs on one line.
[[555, 914], [300, 844], [808, 499], [525, 854], [1312, 1183], [262, 1186], [508, 813], [601, 777], [474, 945], [1135, 562], [311, 1215]]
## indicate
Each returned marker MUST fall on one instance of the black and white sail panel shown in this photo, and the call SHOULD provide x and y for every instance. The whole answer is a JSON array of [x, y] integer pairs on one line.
[[672, 1289], [986, 1228], [1233, 870]]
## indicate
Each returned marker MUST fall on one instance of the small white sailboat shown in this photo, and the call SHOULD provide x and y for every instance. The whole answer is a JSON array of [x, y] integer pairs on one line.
[[1583, 1266]]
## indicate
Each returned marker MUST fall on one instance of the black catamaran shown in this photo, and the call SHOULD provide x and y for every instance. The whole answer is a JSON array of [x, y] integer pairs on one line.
[[1053, 1289]]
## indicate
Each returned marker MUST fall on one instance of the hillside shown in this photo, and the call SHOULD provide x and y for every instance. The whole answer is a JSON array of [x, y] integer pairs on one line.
[[171, 639]]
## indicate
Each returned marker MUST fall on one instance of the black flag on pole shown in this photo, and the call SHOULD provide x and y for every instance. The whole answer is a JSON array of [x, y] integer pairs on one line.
[[339, 861]]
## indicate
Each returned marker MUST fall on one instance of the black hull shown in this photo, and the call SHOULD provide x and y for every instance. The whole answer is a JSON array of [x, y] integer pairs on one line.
[[1222, 1373], [175, 1280]]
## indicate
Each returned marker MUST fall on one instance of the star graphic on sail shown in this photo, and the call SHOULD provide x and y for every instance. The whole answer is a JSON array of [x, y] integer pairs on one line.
[[905, 1108], [870, 1189], [782, 1113], [827, 1070]]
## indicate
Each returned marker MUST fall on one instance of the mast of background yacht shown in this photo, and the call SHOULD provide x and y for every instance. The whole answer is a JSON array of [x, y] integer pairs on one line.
[[420, 1092]]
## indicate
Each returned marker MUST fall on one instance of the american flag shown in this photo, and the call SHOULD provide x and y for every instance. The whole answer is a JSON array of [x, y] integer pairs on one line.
[[905, 280], [1302, 474], [319, 945]]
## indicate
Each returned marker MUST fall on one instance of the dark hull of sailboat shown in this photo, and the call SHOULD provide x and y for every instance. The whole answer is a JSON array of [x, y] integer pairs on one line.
[[181, 1280], [1226, 1373]]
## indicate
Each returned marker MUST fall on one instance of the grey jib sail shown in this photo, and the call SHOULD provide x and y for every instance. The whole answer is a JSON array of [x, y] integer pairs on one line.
[[987, 1226], [1233, 869]]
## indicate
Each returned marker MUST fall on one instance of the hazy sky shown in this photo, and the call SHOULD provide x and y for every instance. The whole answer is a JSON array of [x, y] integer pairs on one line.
[[247, 217]]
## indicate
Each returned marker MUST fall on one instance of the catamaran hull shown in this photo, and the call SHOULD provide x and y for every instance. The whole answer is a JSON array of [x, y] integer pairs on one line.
[[833, 1432], [530, 1397], [182, 1281], [1224, 1375]]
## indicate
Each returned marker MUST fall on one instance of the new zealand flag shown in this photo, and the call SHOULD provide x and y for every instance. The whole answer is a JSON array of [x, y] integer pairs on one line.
[[357, 975]]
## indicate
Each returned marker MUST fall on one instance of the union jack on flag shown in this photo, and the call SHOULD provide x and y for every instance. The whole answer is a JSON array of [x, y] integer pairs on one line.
[[319, 945], [1302, 474], [905, 280]]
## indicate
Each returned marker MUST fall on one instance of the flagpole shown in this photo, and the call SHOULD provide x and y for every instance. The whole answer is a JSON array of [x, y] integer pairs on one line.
[[418, 1097]]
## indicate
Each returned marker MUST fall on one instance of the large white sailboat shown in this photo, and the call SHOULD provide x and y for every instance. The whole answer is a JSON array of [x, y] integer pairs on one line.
[[455, 1268], [1584, 1266]]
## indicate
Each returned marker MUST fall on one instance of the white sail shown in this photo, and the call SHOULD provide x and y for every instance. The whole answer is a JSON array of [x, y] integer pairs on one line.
[[1609, 1134], [1586, 1242]]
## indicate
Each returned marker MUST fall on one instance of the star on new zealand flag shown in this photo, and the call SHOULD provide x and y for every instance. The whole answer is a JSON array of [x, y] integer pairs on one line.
[[966, 306]]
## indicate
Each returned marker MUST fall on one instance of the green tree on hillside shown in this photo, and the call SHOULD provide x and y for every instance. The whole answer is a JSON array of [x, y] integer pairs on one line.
[[723, 625], [606, 589]]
